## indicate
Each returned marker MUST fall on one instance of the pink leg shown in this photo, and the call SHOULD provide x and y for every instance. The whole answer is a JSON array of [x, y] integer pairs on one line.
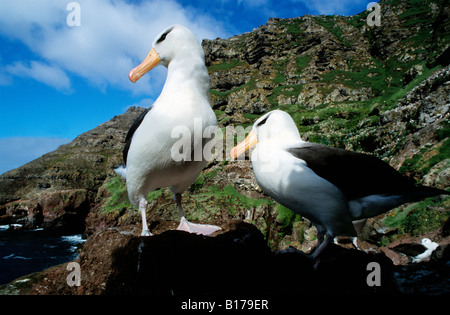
[[143, 208], [185, 225]]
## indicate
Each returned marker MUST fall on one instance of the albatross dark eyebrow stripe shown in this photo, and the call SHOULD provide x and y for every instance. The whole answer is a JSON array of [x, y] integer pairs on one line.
[[262, 122], [163, 36]]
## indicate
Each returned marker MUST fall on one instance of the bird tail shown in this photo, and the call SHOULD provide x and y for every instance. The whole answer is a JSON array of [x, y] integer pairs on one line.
[[423, 192], [374, 205], [122, 171], [420, 193]]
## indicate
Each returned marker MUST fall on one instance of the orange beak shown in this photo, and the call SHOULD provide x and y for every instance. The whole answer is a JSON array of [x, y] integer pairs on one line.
[[148, 64], [245, 145]]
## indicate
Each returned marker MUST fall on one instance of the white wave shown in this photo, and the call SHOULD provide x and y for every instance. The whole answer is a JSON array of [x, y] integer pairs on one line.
[[13, 256], [22, 281], [73, 239]]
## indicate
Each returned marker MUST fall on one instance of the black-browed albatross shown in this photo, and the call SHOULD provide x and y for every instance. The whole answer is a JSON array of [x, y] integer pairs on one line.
[[417, 252], [183, 102], [331, 187]]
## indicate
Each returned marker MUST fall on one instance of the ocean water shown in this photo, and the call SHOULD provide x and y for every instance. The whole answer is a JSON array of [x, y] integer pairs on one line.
[[24, 252]]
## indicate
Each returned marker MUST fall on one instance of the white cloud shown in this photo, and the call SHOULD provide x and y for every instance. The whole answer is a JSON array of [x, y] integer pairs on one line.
[[41, 72], [114, 37], [16, 151]]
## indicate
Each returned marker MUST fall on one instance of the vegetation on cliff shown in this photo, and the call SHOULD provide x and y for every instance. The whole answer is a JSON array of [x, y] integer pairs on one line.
[[380, 90]]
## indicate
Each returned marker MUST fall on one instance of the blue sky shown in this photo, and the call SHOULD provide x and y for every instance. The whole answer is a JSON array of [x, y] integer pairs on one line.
[[58, 81]]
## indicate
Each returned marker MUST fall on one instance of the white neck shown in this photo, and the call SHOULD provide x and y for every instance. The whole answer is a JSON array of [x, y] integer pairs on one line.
[[187, 72]]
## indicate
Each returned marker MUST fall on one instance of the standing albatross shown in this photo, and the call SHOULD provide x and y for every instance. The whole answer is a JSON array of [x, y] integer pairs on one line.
[[153, 154], [329, 186]]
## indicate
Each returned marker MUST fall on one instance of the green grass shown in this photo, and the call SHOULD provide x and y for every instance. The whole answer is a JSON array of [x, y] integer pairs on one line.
[[201, 180], [359, 20], [280, 65], [231, 195], [302, 62], [211, 200], [385, 80], [293, 26], [392, 99], [250, 85], [418, 166], [358, 79], [418, 13], [251, 117], [285, 216], [329, 22], [285, 90], [279, 78], [419, 218], [444, 132], [117, 199]]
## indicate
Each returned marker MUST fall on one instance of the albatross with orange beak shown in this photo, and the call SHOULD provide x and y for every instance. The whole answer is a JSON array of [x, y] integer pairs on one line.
[[184, 102], [329, 186]]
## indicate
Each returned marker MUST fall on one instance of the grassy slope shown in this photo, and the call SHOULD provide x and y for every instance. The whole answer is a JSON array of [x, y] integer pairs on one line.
[[332, 124]]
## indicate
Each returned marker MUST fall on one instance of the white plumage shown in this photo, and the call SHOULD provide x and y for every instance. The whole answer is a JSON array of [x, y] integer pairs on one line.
[[329, 186], [417, 252], [430, 248], [183, 104]]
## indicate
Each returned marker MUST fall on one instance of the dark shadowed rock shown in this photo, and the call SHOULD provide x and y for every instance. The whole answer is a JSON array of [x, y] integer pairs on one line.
[[236, 262]]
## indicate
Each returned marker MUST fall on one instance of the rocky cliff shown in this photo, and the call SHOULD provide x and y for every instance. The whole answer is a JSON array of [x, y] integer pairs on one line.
[[381, 90], [62, 185], [82, 164], [234, 263]]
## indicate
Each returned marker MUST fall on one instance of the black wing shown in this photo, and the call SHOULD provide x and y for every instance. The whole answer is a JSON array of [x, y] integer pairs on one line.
[[131, 132], [355, 174]]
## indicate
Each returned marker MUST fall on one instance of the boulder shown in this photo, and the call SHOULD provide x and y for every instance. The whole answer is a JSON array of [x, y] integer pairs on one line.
[[236, 261]]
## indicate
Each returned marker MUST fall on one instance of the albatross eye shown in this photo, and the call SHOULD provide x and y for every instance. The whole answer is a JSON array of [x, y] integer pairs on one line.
[[262, 122], [163, 36]]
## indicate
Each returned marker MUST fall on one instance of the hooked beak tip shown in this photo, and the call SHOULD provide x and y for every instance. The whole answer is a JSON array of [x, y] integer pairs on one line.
[[130, 76], [151, 61]]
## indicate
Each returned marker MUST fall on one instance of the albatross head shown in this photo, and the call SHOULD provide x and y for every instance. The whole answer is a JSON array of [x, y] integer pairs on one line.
[[429, 244], [173, 42], [276, 126]]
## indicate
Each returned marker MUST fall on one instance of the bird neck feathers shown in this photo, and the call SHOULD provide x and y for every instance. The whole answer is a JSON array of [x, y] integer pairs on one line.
[[187, 73]]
